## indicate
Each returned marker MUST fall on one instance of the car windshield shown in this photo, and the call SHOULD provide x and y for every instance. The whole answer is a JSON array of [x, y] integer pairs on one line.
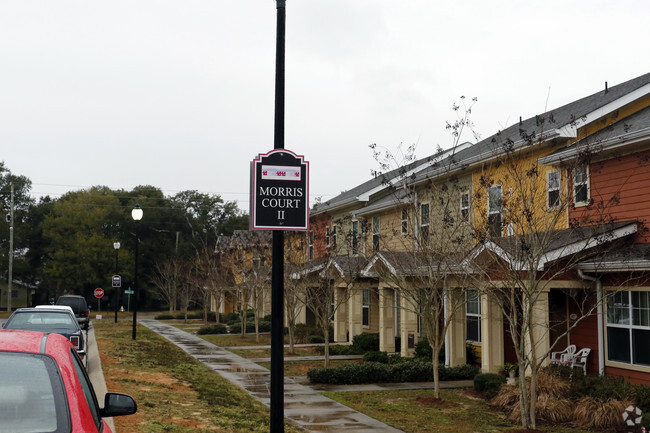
[[31, 394], [53, 321]]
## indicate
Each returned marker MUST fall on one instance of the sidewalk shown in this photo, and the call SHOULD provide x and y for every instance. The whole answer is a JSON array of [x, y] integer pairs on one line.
[[95, 372], [304, 405]]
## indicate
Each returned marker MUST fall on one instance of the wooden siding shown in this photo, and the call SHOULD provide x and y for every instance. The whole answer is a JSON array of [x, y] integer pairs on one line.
[[620, 189]]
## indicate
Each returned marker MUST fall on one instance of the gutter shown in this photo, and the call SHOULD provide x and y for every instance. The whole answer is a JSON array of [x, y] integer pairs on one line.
[[601, 325]]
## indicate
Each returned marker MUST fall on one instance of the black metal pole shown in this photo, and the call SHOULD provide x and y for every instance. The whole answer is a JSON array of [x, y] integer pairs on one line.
[[117, 289], [277, 266], [135, 281]]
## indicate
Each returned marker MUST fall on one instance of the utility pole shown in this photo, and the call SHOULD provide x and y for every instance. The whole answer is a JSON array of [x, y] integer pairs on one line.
[[11, 248]]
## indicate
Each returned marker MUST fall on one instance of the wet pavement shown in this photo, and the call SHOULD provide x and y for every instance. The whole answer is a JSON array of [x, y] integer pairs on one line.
[[303, 405]]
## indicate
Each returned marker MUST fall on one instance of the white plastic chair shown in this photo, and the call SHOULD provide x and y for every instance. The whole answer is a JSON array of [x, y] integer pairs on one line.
[[580, 359], [565, 356]]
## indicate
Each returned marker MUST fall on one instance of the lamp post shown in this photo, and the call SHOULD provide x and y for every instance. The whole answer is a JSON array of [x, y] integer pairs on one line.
[[136, 214], [116, 245]]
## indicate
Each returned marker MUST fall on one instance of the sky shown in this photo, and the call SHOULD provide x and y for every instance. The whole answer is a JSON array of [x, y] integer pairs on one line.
[[180, 94]]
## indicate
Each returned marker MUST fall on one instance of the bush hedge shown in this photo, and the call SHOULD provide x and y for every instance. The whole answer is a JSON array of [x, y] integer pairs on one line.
[[489, 383], [376, 372], [164, 317], [216, 328]]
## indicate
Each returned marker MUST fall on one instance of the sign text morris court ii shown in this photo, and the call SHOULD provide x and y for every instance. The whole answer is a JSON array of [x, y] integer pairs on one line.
[[279, 191]]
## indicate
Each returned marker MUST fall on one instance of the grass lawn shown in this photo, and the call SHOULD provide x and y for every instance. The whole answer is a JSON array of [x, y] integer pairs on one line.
[[266, 352], [419, 412], [175, 392]]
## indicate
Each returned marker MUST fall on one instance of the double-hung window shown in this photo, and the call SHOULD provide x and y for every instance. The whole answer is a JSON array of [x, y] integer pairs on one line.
[[375, 233], [473, 316], [327, 236], [405, 221], [553, 181], [311, 245], [581, 185], [355, 237], [334, 237], [628, 328], [424, 223], [495, 205], [366, 308], [464, 206]]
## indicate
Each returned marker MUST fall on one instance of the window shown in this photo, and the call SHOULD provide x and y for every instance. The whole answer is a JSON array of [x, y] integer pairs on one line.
[[424, 222], [375, 233], [355, 237], [581, 184], [311, 245], [473, 316], [366, 307], [464, 206], [327, 236], [405, 221], [495, 203], [553, 179], [628, 328], [334, 237]]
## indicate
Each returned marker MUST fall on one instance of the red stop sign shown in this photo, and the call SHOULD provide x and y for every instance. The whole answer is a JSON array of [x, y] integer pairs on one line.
[[99, 293]]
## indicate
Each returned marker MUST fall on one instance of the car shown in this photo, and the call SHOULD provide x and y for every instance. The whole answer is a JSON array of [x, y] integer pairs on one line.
[[60, 321], [79, 306], [45, 388], [56, 307]]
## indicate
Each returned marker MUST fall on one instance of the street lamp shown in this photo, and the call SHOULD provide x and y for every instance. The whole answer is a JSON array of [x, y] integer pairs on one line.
[[136, 214], [116, 245]]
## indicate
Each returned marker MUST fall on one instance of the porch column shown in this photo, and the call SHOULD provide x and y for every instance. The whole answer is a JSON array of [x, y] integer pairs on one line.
[[541, 334], [456, 331], [386, 319], [355, 312], [491, 336], [408, 327], [340, 315]]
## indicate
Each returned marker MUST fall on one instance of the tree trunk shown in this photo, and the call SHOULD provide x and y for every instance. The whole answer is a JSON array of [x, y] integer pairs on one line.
[[326, 333]]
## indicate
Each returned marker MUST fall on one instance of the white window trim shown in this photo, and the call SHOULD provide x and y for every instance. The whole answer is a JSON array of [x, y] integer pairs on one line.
[[463, 207], [549, 189], [365, 306], [622, 364], [477, 315], [587, 182]]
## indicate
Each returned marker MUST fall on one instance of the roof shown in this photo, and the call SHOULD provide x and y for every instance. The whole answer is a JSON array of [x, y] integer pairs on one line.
[[561, 122]]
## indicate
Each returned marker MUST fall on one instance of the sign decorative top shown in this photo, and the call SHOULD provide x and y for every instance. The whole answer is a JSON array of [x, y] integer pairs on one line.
[[279, 191]]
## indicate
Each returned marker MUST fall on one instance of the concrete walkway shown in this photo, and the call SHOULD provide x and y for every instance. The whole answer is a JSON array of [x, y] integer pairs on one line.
[[302, 404]]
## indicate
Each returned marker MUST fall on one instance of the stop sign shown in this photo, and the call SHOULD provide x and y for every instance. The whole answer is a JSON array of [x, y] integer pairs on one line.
[[99, 293]]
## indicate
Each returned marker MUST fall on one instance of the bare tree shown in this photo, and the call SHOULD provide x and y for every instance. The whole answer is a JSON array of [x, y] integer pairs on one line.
[[167, 278]]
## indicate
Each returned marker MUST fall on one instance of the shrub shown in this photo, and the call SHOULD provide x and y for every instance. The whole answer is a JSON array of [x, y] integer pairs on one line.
[[365, 342], [423, 350], [376, 372], [336, 349], [216, 328], [228, 317], [471, 355], [235, 328], [164, 317], [316, 339], [460, 372], [212, 316], [592, 413], [488, 384], [376, 356]]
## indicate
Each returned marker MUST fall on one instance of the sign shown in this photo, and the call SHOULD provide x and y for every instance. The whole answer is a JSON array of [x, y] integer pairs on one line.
[[128, 291], [99, 293], [116, 281], [279, 191]]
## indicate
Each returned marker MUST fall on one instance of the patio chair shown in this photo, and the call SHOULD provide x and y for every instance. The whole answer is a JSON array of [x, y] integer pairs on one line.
[[565, 356], [580, 359]]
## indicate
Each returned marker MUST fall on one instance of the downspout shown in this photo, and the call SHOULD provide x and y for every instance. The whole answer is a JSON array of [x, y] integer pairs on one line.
[[600, 315]]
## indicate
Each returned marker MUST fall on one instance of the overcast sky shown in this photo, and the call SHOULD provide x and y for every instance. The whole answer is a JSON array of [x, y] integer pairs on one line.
[[180, 94]]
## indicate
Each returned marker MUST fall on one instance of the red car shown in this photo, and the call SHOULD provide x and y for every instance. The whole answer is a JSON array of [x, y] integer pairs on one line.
[[44, 387]]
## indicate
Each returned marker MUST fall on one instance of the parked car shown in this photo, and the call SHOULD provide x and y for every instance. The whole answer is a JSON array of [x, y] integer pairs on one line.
[[56, 307], [44, 387], [79, 306], [56, 320]]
